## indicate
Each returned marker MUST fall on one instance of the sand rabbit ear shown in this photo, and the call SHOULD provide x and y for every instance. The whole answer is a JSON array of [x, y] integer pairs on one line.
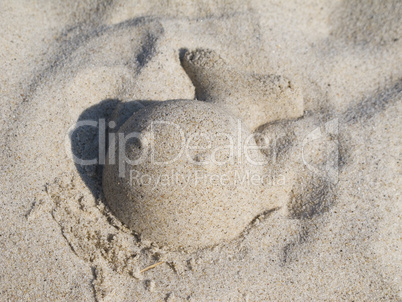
[[256, 99]]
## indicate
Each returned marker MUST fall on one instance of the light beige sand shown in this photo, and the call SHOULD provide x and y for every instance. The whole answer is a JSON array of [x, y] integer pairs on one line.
[[337, 235], [180, 181], [256, 99]]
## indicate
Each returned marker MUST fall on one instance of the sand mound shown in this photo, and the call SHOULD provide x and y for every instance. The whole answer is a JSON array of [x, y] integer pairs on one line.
[[190, 176]]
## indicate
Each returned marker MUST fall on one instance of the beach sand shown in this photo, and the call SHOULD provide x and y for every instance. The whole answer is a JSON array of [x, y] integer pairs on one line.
[[336, 232]]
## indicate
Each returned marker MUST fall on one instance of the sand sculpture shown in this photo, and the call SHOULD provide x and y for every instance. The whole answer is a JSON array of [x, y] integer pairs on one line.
[[188, 173]]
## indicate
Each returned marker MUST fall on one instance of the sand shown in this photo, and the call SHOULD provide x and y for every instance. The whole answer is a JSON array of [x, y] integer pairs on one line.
[[254, 98], [335, 235]]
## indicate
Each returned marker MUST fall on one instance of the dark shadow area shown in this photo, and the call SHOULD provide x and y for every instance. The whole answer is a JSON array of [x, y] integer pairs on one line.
[[85, 142], [182, 52], [316, 198], [89, 139], [373, 105], [306, 204]]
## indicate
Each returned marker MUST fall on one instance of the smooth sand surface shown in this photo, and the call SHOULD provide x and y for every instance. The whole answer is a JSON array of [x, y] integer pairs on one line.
[[336, 234]]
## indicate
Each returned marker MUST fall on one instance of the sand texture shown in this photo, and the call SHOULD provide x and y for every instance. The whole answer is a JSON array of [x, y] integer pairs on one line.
[[316, 84]]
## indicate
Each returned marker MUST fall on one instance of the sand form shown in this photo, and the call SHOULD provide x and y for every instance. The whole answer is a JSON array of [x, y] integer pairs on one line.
[[185, 183], [198, 144], [330, 241], [256, 99]]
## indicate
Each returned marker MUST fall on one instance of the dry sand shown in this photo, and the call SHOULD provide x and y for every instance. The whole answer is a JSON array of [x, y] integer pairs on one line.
[[336, 235]]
